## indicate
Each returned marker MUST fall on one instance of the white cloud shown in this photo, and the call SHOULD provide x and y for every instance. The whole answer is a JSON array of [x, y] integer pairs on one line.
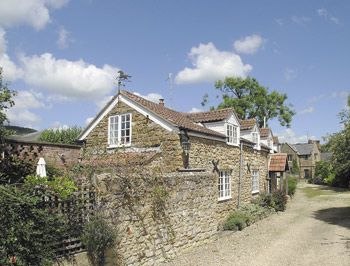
[[279, 21], [300, 20], [290, 74], [76, 79], [307, 110], [249, 44], [35, 13], [64, 38], [195, 110], [21, 114], [322, 12], [289, 136], [102, 102], [210, 64], [153, 97]]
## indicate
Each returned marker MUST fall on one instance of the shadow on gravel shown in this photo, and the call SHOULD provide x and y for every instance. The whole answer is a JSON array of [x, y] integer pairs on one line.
[[337, 216]]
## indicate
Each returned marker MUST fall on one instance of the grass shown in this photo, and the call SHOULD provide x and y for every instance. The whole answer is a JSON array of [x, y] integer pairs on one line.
[[312, 192]]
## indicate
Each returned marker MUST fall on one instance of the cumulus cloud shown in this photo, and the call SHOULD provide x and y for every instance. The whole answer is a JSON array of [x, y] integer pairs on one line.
[[10, 70], [35, 13], [76, 79], [88, 120], [249, 44], [21, 113], [210, 64], [322, 12], [289, 136], [64, 38]]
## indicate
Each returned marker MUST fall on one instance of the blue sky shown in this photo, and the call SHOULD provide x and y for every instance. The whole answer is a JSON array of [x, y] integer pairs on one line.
[[62, 56]]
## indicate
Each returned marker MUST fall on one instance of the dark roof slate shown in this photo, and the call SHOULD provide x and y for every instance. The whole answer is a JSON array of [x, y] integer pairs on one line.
[[176, 118], [303, 148]]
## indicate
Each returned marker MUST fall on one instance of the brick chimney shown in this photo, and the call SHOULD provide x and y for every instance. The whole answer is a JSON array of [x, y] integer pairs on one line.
[[161, 102]]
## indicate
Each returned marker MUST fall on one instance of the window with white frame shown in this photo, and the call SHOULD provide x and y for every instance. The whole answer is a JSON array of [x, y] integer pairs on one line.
[[232, 136], [255, 181], [255, 137], [224, 185], [119, 130]]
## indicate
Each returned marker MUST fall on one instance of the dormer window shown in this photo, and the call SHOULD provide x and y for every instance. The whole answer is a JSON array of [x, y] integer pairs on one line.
[[119, 133], [255, 138], [232, 134]]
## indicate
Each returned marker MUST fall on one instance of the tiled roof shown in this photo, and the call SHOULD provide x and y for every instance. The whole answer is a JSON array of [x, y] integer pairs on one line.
[[176, 118], [278, 162], [210, 116], [247, 123], [275, 140], [264, 132], [303, 148]]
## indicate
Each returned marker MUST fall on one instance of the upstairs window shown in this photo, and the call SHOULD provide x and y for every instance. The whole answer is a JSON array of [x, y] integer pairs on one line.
[[255, 138], [232, 136], [255, 181], [224, 185], [119, 133]]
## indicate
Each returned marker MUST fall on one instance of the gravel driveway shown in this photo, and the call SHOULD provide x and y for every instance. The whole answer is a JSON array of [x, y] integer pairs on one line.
[[314, 230]]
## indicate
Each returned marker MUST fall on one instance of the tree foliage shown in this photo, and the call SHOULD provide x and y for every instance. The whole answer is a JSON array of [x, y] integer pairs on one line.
[[339, 145], [63, 136], [6, 101], [252, 100]]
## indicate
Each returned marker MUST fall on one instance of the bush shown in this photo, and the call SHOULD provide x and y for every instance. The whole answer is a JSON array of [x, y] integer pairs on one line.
[[64, 136], [292, 185], [236, 221], [245, 216], [97, 237], [276, 200]]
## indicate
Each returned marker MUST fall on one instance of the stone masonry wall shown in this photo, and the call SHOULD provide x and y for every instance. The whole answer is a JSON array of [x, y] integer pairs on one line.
[[145, 135], [56, 155], [152, 228]]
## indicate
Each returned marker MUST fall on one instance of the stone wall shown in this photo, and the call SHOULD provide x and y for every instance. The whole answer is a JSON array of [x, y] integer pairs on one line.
[[57, 155], [146, 135], [154, 226]]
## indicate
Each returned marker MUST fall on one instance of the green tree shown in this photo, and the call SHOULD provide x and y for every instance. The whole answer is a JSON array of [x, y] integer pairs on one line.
[[339, 145], [252, 100], [64, 136], [295, 167], [6, 101]]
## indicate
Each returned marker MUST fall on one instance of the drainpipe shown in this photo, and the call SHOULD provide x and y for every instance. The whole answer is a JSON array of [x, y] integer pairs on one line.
[[240, 175]]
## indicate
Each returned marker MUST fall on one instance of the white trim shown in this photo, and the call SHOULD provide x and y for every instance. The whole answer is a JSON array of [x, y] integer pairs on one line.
[[204, 136], [119, 131], [223, 174], [257, 176]]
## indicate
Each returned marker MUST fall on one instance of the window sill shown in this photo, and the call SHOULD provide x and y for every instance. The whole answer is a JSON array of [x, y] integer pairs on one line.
[[232, 144], [118, 146], [255, 192], [224, 199]]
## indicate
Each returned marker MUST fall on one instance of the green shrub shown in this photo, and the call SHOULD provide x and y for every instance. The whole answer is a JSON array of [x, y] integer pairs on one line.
[[64, 136], [237, 220], [276, 200], [255, 212], [292, 185], [97, 237]]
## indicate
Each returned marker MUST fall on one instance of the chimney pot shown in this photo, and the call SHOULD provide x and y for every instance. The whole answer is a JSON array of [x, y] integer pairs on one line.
[[161, 102]]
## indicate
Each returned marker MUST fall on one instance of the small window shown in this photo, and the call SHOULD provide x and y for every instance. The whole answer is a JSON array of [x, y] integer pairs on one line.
[[119, 130], [255, 138], [232, 136], [290, 157], [255, 181], [224, 185]]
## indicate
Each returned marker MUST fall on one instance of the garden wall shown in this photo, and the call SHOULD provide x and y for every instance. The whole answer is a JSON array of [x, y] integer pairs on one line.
[[158, 219]]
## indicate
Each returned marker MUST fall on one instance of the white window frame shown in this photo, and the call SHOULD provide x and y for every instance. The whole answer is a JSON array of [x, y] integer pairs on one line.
[[224, 185], [117, 141], [255, 181], [232, 134]]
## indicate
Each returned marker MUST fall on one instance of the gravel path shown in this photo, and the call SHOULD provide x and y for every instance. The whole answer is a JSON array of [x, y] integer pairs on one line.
[[314, 230]]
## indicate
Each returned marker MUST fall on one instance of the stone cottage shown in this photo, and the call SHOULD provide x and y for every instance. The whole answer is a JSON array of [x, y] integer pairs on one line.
[[306, 155], [210, 163]]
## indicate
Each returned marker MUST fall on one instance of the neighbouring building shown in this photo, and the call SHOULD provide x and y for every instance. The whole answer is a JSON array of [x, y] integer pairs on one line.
[[306, 154]]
